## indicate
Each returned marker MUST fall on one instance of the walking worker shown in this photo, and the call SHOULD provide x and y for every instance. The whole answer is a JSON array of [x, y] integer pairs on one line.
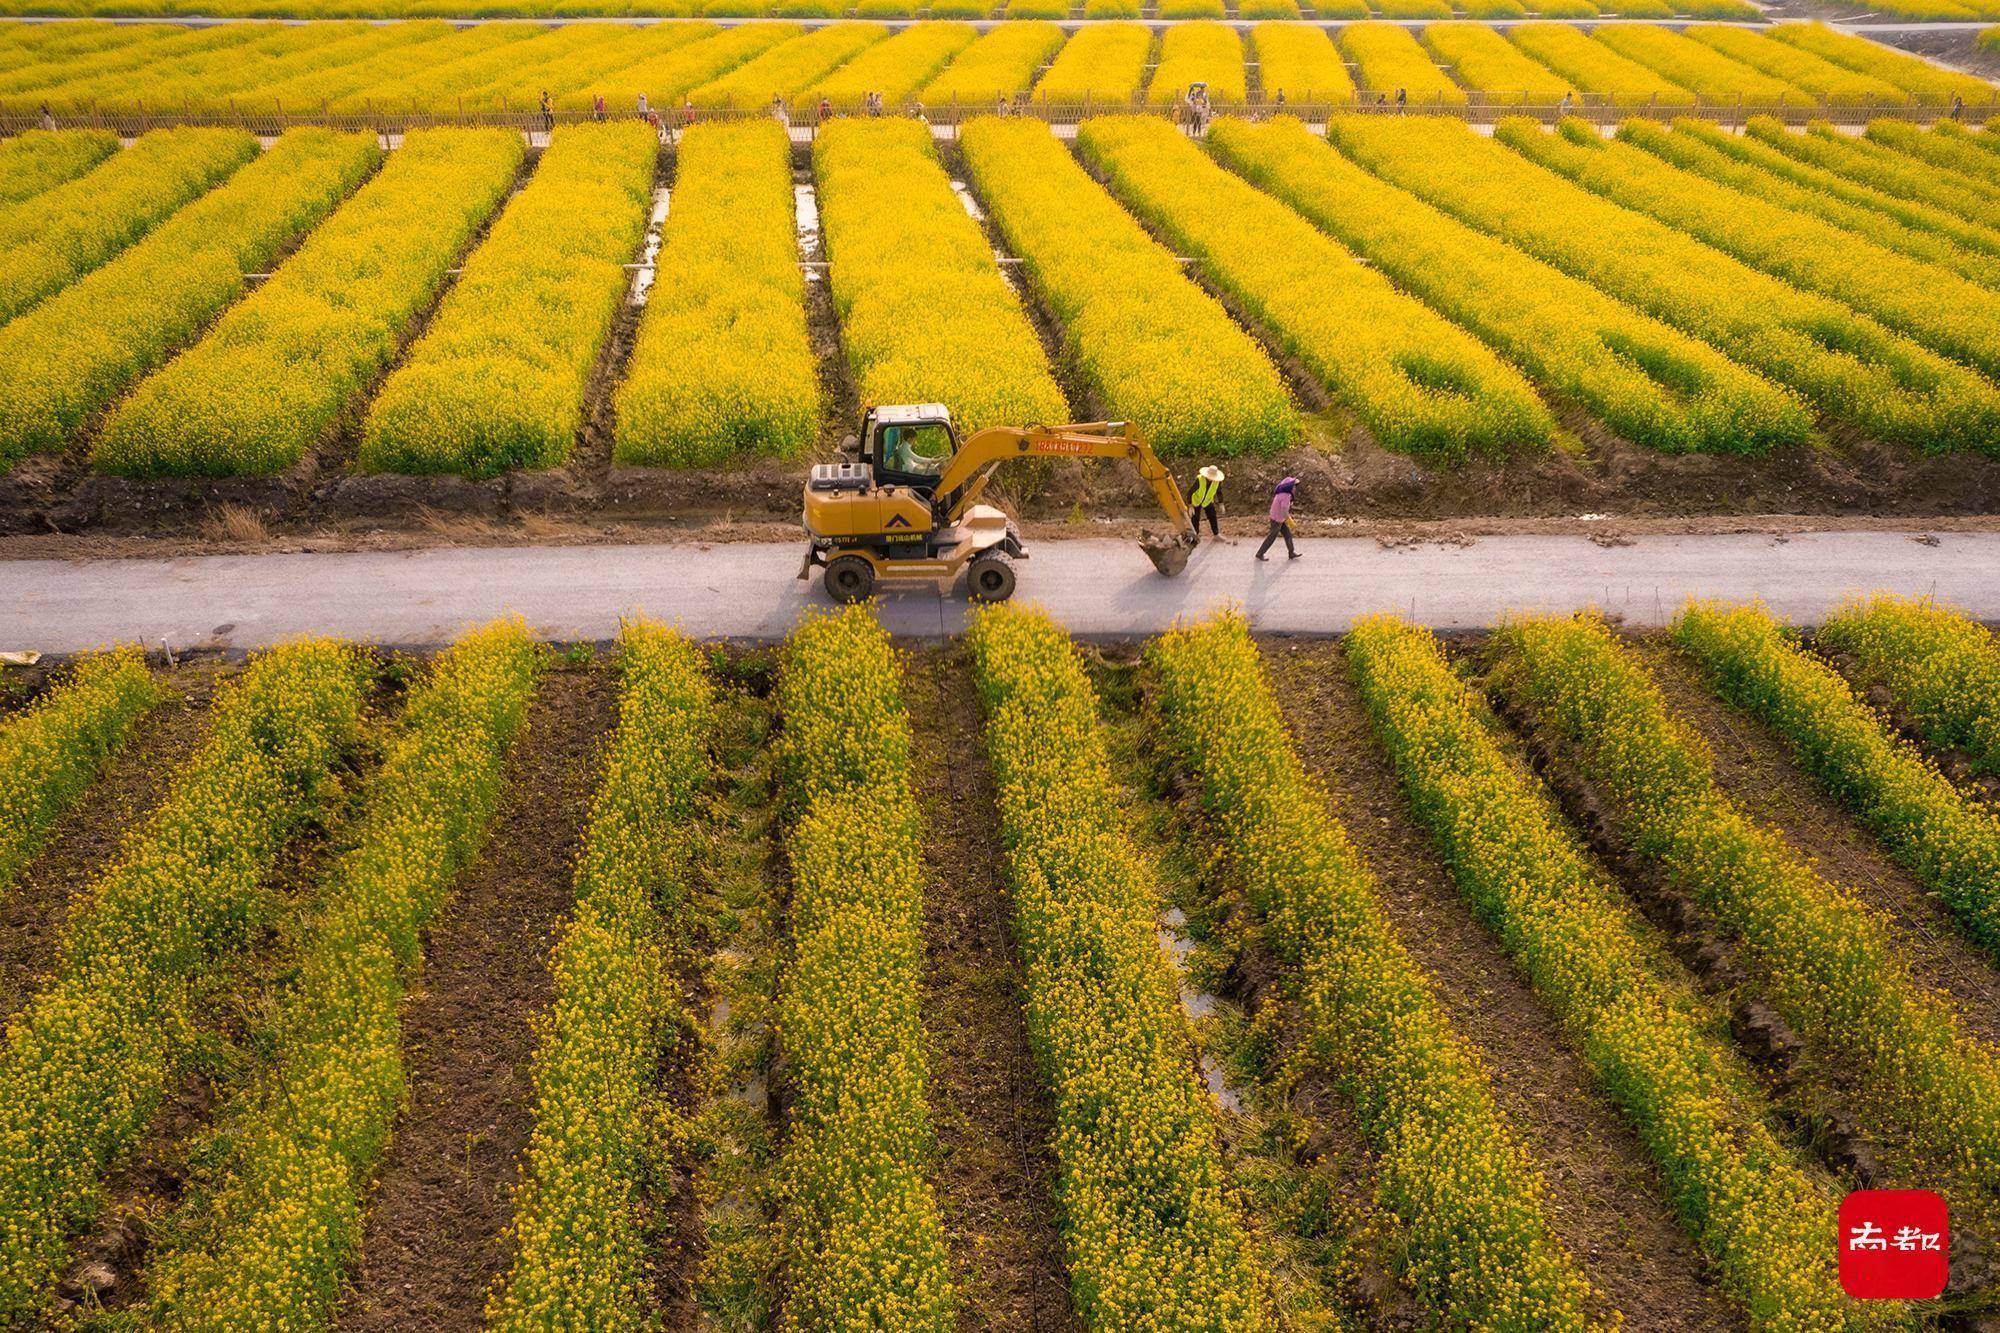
[[1202, 498], [1281, 518]]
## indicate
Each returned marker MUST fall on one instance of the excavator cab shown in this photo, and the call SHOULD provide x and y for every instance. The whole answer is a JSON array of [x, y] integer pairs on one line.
[[906, 506]]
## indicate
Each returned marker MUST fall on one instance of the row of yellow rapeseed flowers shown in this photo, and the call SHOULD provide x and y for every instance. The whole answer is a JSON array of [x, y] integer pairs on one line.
[[1299, 61], [924, 313], [1938, 666], [91, 1056], [42, 159], [75, 353], [1106, 62], [1481, 58], [53, 238], [789, 67], [1156, 349], [1419, 382], [1966, 248], [274, 374], [52, 751], [723, 364], [1872, 166], [497, 381], [1647, 381], [1388, 61], [1947, 839], [895, 67], [1934, 307], [231, 80], [1844, 362], [1948, 145], [1000, 64], [1474, 1226], [48, 75], [1702, 70], [864, 1239], [1832, 966], [665, 77], [1203, 51], [1742, 1194], [1592, 67], [1153, 1233], [373, 80], [266, 1243], [1802, 69], [579, 1237], [1911, 73]]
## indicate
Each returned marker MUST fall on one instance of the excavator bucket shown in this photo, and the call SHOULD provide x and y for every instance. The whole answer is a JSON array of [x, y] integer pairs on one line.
[[1168, 554]]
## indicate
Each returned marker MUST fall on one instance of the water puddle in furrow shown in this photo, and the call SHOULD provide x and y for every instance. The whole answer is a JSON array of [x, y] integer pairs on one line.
[[1174, 942], [977, 214], [805, 211], [642, 280]]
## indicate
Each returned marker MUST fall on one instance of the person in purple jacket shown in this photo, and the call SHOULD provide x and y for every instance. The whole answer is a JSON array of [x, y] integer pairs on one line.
[[1281, 518]]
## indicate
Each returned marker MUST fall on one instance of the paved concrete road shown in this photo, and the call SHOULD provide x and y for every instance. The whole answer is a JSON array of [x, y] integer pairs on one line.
[[1099, 588]]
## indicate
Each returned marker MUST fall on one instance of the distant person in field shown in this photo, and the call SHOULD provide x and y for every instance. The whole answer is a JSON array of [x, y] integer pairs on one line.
[[1281, 518], [1004, 106], [778, 112], [1279, 100], [1569, 99], [1205, 499], [48, 117], [825, 109], [597, 107], [548, 114], [645, 108], [1402, 98], [1957, 106]]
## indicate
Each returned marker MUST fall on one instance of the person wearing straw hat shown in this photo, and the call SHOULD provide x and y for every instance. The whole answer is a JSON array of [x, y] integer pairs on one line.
[[1204, 498]]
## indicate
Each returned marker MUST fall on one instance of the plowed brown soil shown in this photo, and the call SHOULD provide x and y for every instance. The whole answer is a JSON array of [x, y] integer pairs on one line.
[[432, 1239], [1605, 1196], [993, 1119], [1753, 766]]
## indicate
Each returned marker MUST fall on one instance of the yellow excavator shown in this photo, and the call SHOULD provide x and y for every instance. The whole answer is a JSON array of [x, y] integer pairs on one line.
[[905, 508]]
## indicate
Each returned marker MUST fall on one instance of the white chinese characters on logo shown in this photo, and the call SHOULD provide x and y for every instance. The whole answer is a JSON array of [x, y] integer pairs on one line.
[[1868, 1236]]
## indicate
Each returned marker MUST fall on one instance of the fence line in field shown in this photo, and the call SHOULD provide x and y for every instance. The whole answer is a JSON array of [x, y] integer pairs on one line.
[[1477, 107]]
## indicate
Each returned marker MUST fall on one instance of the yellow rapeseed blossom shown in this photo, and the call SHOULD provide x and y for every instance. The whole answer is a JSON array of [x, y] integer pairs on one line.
[[1738, 1190], [924, 313], [1420, 383], [1911, 73], [53, 750], [864, 1236], [42, 159], [274, 373], [1153, 1236], [1700, 69], [724, 363], [579, 1247], [1592, 67], [1479, 57], [89, 1059], [73, 354], [1299, 60], [1105, 63], [1873, 166], [55, 237], [497, 382], [1936, 308], [1649, 382], [1948, 840], [1843, 361], [1831, 965], [1802, 69], [1001, 63], [1938, 665], [1475, 1231], [895, 68], [665, 78], [1968, 248], [267, 1244], [1157, 350], [789, 67], [1203, 51], [1387, 61]]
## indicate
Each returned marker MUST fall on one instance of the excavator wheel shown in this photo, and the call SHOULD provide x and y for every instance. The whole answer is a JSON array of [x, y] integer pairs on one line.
[[849, 578], [990, 579]]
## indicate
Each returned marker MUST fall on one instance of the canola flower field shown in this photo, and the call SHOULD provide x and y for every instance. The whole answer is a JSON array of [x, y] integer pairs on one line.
[[1255, 906], [701, 286]]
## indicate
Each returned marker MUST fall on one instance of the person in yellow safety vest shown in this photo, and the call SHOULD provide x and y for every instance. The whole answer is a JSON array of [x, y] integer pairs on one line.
[[1203, 496]]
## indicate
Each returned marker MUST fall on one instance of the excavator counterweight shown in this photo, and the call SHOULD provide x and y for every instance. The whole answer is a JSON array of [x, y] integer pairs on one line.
[[907, 504]]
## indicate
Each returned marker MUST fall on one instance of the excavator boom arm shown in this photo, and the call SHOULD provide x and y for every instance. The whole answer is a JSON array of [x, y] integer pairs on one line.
[[975, 461]]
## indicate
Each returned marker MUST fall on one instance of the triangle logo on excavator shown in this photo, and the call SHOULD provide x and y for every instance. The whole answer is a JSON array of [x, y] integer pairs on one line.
[[896, 521]]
